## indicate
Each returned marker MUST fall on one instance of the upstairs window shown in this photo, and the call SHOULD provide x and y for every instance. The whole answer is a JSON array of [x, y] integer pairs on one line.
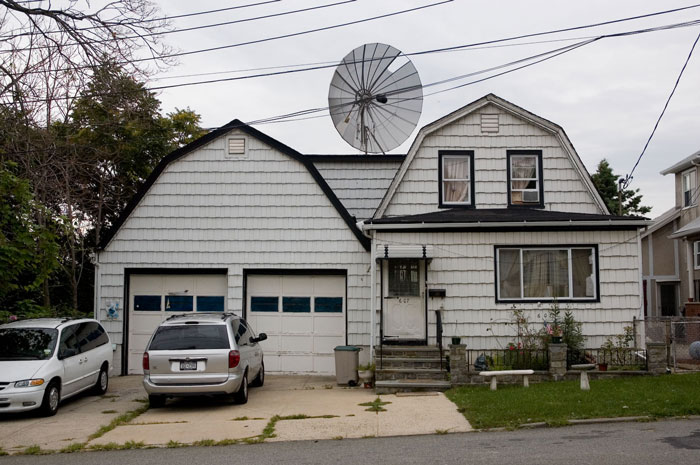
[[525, 178], [456, 178], [689, 188]]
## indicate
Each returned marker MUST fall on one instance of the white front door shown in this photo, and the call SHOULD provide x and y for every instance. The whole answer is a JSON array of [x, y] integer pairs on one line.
[[404, 312]]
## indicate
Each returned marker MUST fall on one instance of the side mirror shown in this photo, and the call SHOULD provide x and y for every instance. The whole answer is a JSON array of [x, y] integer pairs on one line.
[[261, 337]]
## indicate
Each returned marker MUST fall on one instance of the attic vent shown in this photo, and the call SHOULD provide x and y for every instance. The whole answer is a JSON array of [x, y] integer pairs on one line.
[[489, 123], [236, 146]]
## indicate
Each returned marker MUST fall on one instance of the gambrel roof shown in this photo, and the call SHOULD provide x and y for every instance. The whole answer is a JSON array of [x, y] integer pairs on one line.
[[508, 107], [250, 131]]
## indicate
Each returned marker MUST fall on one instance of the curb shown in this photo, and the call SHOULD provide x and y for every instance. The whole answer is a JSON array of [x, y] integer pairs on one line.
[[588, 421]]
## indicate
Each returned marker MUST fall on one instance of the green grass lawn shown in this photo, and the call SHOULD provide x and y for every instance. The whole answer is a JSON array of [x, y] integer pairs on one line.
[[557, 402]]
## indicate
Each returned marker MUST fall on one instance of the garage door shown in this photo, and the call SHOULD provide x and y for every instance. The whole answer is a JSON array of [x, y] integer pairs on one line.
[[304, 318], [153, 298]]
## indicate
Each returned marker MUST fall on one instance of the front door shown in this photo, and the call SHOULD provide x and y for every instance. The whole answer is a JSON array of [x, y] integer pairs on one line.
[[668, 299], [404, 312]]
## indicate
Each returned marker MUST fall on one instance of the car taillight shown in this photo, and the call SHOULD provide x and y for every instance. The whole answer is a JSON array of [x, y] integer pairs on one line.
[[234, 358], [146, 363]]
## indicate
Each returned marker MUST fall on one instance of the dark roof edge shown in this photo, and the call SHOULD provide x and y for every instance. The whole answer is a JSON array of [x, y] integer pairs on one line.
[[401, 228], [355, 158], [234, 124]]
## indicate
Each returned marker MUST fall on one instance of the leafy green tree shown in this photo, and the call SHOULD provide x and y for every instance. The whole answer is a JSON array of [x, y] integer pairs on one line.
[[28, 249], [607, 184], [184, 126]]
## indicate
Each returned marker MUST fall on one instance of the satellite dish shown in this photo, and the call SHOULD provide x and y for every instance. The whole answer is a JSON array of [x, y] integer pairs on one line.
[[375, 98]]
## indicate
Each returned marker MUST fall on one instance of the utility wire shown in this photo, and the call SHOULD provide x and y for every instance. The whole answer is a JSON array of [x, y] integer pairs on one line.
[[186, 29], [628, 178]]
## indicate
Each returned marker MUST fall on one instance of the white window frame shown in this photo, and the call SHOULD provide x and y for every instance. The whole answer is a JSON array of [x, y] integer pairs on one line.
[[692, 187], [468, 200], [570, 297], [696, 255], [536, 179]]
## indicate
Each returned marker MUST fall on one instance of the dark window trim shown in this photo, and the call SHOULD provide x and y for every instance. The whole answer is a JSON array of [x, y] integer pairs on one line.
[[463, 153], [540, 176], [548, 246]]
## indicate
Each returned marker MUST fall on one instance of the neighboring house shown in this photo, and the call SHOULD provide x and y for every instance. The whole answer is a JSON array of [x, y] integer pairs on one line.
[[671, 246], [491, 209]]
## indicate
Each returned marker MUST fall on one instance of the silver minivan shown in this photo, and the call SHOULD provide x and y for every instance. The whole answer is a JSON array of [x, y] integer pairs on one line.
[[46, 360], [203, 354]]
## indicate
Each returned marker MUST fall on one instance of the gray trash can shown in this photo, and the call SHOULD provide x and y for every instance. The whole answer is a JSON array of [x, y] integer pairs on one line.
[[346, 361]]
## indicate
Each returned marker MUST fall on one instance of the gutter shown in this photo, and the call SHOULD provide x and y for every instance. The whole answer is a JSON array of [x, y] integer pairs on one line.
[[507, 224]]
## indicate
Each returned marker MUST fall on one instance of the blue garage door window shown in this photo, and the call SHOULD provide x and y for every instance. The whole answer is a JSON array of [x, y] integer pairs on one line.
[[178, 303], [210, 303], [147, 303], [264, 304], [328, 305], [296, 304]]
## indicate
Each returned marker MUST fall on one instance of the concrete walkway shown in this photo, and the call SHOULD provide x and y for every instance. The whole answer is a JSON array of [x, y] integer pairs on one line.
[[334, 412]]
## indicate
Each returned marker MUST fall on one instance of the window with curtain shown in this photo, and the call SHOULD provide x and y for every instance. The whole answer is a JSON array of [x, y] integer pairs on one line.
[[456, 182], [562, 273], [525, 182]]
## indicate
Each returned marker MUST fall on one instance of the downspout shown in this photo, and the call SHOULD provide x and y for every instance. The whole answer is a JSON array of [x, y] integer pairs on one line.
[[96, 292], [373, 296], [689, 265]]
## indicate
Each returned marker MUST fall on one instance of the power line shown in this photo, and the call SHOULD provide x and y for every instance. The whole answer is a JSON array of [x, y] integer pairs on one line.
[[186, 29], [151, 20], [628, 178]]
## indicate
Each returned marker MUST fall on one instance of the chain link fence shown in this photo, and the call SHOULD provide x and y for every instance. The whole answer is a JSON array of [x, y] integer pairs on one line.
[[677, 333]]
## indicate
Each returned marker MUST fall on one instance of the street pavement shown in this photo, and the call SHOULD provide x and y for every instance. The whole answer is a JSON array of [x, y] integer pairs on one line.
[[661, 442]]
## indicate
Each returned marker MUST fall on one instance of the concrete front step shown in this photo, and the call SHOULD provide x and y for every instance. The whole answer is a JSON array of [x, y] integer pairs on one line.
[[409, 351], [410, 362], [393, 386], [398, 374]]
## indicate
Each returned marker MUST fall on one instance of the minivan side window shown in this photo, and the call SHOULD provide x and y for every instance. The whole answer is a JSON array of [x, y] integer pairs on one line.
[[68, 345], [248, 332], [91, 335]]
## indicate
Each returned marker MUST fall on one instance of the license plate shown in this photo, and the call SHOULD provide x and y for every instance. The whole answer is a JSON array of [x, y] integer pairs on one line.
[[188, 366]]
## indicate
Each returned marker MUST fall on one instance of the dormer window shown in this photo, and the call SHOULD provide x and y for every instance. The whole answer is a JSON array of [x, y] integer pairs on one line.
[[689, 185], [456, 183], [525, 178]]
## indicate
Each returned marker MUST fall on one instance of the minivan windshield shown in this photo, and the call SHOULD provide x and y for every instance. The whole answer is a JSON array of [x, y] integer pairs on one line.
[[27, 343], [190, 337]]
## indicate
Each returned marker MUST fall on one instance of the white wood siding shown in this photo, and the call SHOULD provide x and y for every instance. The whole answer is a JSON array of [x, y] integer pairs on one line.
[[261, 211], [360, 186], [564, 189], [464, 267]]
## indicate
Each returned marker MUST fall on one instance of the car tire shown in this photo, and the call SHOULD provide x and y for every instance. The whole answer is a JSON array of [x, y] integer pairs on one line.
[[241, 396], [102, 382], [260, 379], [52, 397], [156, 401]]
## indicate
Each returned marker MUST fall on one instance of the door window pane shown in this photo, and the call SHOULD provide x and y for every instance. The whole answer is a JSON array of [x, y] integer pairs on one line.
[[264, 304], [296, 304], [68, 345], [147, 303], [403, 278], [178, 303], [328, 305], [91, 335], [206, 303]]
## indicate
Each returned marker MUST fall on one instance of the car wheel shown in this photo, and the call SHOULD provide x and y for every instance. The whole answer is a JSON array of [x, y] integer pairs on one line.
[[156, 401], [102, 382], [260, 379], [241, 396], [52, 397]]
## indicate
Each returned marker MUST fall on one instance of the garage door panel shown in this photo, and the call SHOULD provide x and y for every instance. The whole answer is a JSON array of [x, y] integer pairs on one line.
[[303, 338], [301, 343]]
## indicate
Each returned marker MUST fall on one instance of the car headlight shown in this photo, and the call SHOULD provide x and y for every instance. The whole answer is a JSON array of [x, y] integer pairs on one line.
[[29, 382]]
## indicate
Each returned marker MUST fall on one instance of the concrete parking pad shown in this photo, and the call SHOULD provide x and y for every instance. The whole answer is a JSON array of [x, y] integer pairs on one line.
[[333, 412], [75, 421]]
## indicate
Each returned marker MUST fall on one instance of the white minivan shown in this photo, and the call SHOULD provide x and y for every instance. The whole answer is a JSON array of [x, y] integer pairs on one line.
[[46, 360]]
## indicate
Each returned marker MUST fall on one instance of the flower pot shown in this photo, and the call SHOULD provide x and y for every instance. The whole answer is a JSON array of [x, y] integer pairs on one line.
[[456, 340], [556, 339], [602, 367], [365, 377]]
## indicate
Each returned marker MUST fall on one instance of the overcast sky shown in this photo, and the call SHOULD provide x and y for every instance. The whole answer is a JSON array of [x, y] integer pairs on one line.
[[606, 95]]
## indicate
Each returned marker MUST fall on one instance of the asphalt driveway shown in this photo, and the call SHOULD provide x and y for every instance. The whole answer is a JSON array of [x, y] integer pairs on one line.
[[290, 407]]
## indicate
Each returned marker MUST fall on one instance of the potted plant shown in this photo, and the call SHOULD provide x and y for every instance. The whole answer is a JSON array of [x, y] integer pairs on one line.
[[366, 374], [554, 331]]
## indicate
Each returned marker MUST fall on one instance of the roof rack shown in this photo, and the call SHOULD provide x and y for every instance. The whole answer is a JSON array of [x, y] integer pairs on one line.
[[224, 315]]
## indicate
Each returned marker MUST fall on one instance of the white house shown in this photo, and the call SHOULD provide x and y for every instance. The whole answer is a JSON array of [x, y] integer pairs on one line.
[[490, 209]]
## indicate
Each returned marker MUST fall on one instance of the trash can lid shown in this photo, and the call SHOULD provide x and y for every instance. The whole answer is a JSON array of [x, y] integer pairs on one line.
[[348, 348]]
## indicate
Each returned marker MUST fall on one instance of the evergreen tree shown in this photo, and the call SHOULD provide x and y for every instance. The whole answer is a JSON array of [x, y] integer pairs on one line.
[[607, 184]]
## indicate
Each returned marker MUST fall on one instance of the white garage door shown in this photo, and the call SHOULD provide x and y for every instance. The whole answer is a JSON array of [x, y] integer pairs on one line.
[[304, 318], [153, 298]]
